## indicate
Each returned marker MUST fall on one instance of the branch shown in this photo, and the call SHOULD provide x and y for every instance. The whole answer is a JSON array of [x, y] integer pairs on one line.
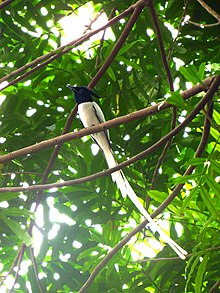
[[20, 257], [103, 126], [36, 270], [164, 152], [98, 59], [160, 43], [21, 173], [99, 267], [215, 288], [203, 25], [137, 157], [138, 8], [209, 10], [168, 144], [5, 3]]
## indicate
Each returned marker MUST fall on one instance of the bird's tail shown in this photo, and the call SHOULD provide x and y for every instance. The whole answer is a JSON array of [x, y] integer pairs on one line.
[[126, 189]]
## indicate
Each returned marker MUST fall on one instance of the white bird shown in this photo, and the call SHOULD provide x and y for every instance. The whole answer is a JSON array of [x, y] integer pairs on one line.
[[91, 114]]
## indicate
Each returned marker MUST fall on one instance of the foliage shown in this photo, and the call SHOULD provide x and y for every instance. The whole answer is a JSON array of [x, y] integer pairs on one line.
[[76, 226]]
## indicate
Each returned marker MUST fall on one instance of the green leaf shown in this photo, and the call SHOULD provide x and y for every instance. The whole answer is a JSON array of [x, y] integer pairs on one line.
[[111, 74], [161, 196], [194, 262], [188, 199], [185, 178], [19, 232], [129, 63], [191, 74], [196, 161], [215, 165], [176, 99], [213, 185], [128, 47], [215, 133], [201, 72], [216, 116], [208, 201], [5, 196], [200, 274], [17, 212]]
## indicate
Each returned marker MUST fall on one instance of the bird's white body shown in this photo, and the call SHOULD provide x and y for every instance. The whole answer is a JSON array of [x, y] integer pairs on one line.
[[91, 114], [85, 111]]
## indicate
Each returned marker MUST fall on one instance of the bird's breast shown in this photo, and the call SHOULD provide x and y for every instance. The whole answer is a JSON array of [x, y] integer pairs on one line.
[[87, 114]]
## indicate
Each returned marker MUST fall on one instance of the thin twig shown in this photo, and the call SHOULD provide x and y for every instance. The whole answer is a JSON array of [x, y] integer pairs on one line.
[[20, 257], [160, 43], [168, 144], [21, 173], [215, 287], [164, 152], [36, 270], [202, 25], [179, 28], [209, 10], [89, 27], [14, 263], [103, 126]]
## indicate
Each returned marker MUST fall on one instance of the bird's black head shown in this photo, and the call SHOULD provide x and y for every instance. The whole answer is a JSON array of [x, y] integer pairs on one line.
[[82, 94]]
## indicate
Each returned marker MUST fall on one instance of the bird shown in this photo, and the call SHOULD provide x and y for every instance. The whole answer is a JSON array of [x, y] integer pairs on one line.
[[91, 114]]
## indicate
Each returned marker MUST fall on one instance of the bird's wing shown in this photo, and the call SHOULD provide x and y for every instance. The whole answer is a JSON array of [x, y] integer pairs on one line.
[[101, 118], [91, 114]]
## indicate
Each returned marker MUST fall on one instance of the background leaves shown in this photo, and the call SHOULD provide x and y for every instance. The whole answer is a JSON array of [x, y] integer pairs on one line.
[[76, 226]]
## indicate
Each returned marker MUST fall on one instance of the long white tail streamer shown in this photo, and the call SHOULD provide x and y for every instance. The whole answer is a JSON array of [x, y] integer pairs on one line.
[[126, 189]]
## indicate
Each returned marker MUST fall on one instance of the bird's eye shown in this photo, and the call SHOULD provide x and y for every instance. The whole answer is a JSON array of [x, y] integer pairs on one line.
[[81, 91]]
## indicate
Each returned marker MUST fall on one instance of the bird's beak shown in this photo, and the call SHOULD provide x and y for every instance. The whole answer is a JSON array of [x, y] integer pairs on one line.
[[71, 87]]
